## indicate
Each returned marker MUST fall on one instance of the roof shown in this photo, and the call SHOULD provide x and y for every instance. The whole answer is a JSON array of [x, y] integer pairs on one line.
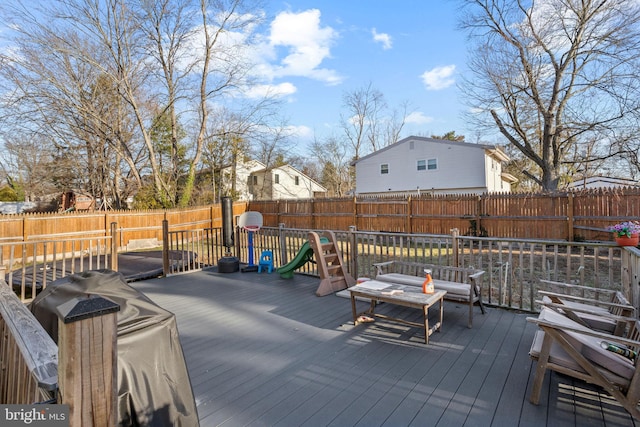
[[492, 150], [603, 181]]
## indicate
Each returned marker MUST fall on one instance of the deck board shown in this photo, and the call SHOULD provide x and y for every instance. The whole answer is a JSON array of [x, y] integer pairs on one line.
[[265, 351]]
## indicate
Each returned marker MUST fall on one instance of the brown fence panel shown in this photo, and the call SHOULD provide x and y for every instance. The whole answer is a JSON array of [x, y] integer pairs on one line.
[[49, 226], [269, 209], [333, 214], [594, 210], [530, 215], [11, 227], [438, 214], [137, 225], [386, 215], [189, 218], [296, 213]]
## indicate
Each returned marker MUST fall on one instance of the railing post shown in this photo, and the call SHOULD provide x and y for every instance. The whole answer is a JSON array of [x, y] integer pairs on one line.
[[454, 247], [353, 252], [283, 244], [165, 248], [114, 246], [87, 374]]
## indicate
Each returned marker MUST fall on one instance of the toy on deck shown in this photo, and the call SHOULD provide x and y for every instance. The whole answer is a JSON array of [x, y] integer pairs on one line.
[[252, 222], [266, 261]]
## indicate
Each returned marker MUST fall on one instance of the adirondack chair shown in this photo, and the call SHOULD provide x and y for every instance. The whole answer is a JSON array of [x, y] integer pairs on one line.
[[569, 348], [611, 313]]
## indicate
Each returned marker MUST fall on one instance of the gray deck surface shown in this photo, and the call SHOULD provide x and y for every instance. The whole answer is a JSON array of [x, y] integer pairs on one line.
[[265, 351]]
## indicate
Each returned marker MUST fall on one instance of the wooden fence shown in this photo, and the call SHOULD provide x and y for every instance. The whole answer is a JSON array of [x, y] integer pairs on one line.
[[134, 229], [571, 216]]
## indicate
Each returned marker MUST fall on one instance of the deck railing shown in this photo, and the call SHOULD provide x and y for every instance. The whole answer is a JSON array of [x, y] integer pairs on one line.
[[28, 356], [80, 371], [31, 265], [514, 267]]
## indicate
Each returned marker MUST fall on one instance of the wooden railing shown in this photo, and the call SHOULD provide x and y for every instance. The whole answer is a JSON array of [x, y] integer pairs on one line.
[[514, 267], [30, 266], [28, 356], [79, 372]]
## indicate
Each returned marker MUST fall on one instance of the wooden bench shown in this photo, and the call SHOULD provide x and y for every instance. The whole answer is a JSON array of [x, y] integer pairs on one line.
[[462, 284]]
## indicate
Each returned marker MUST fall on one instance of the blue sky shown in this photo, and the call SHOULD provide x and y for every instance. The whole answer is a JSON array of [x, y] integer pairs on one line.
[[313, 52], [410, 50]]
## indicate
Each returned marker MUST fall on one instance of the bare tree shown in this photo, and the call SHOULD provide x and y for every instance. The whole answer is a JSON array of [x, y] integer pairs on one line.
[[552, 75], [363, 107], [124, 79], [334, 164]]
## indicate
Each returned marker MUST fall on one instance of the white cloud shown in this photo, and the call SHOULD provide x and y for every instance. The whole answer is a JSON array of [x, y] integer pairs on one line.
[[383, 38], [300, 131], [307, 45], [439, 78], [418, 118], [268, 90]]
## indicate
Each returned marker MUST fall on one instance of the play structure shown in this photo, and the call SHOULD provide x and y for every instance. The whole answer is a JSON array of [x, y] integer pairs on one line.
[[333, 276]]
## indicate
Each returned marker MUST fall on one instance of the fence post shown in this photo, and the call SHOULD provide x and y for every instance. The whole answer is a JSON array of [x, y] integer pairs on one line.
[[454, 247], [114, 246], [283, 244], [165, 248], [355, 211], [479, 209], [313, 214], [87, 374], [409, 222], [353, 252], [570, 217]]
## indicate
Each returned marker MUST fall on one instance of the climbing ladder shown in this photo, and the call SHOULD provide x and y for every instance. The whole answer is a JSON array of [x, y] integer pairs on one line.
[[333, 276]]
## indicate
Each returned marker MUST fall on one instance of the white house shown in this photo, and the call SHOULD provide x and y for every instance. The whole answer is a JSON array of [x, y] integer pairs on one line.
[[243, 171], [602, 182], [283, 182], [418, 164]]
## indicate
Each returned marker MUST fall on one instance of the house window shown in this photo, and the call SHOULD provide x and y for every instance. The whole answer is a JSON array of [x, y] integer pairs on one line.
[[255, 179], [384, 169], [297, 180], [432, 164], [276, 179], [422, 165]]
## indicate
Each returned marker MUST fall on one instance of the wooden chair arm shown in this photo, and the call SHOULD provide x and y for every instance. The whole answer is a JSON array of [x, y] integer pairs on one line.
[[587, 311], [589, 332], [606, 304], [578, 287], [380, 266]]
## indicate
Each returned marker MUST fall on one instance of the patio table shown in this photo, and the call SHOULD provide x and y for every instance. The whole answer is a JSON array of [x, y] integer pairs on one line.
[[392, 293]]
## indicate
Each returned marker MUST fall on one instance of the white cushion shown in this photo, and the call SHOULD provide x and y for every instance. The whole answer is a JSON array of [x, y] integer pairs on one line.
[[463, 289], [587, 345], [594, 321]]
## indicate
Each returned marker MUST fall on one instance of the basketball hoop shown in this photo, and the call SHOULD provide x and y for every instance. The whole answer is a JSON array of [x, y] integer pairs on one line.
[[251, 221]]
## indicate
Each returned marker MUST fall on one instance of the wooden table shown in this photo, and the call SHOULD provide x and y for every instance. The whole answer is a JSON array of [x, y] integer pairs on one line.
[[407, 296]]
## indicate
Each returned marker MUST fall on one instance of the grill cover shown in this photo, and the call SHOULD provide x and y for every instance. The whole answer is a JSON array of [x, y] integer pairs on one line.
[[154, 388]]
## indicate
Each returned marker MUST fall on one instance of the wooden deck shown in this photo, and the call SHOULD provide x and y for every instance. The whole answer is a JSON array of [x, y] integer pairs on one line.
[[265, 351]]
